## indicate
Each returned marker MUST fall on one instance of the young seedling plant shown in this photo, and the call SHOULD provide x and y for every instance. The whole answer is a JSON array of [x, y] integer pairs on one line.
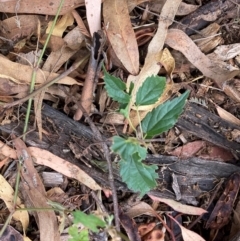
[[132, 151]]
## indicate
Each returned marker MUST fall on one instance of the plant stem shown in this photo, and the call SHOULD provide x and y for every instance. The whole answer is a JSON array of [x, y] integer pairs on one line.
[[36, 68]]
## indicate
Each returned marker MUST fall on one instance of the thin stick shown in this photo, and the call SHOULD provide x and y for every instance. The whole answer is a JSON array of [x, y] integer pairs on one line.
[[107, 156]]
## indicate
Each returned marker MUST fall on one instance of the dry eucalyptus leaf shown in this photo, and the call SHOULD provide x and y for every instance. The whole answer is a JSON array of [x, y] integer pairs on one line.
[[120, 33], [43, 157], [17, 28], [34, 194], [47, 7], [182, 208], [22, 74], [93, 8], [212, 68], [151, 65], [227, 116]]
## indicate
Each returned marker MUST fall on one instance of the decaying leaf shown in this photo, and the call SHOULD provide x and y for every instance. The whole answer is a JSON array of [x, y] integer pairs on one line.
[[61, 25], [34, 192], [180, 207], [216, 70], [17, 28], [7, 195], [227, 116], [43, 157], [21, 74], [120, 33], [47, 7]]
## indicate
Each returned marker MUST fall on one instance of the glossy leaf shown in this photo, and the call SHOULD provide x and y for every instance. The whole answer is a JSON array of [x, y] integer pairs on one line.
[[116, 88], [138, 176], [151, 90], [163, 117]]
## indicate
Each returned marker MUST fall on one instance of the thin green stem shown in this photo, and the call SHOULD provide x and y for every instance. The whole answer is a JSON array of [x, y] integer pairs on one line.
[[139, 120], [33, 79], [6, 223]]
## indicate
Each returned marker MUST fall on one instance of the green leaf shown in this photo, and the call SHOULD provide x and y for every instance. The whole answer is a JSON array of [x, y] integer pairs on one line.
[[90, 221], [115, 88], [78, 235], [124, 110], [151, 90], [138, 176], [163, 117], [126, 147]]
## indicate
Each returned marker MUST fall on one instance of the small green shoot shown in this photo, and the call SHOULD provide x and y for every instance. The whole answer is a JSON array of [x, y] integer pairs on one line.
[[138, 176], [90, 222]]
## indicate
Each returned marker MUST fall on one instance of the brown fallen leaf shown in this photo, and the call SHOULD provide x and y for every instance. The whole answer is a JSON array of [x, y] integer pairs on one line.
[[34, 193], [188, 150], [216, 70], [17, 28], [140, 209], [182, 208], [120, 33], [73, 41], [227, 116], [22, 74], [93, 8], [47, 7], [43, 157]]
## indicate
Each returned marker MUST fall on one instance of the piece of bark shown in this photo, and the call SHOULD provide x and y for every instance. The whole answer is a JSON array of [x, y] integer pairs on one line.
[[193, 175], [207, 14]]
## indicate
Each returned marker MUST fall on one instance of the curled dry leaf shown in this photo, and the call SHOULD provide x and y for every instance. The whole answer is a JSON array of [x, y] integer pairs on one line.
[[61, 25], [140, 209], [182, 208], [219, 71], [120, 33]]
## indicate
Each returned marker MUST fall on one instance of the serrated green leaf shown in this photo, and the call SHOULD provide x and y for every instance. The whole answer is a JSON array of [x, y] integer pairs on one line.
[[90, 221], [78, 235], [115, 88], [124, 110], [163, 117], [126, 147], [138, 176], [151, 90]]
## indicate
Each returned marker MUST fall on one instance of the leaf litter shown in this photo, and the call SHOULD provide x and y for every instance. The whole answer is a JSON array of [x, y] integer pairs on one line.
[[138, 62]]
